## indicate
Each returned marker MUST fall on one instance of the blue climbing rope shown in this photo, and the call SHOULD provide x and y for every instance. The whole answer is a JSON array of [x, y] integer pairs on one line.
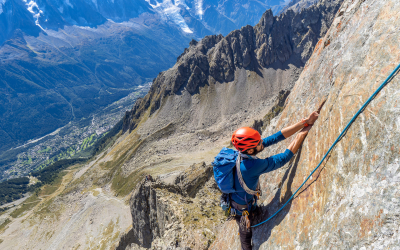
[[337, 140]]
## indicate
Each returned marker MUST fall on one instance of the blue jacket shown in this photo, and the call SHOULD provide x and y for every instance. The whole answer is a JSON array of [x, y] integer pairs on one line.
[[252, 168]]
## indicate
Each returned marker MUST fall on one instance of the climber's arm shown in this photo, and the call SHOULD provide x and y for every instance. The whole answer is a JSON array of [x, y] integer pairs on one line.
[[273, 139], [296, 143], [263, 166], [289, 131]]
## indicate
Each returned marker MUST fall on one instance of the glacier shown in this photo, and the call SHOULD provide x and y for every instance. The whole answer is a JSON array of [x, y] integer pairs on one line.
[[170, 11]]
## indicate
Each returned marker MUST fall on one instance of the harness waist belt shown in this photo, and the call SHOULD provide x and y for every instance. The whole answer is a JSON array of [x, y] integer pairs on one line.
[[238, 206]]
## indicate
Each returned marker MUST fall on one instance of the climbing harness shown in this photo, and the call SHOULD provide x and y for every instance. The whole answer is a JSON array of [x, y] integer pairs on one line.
[[245, 223], [337, 140]]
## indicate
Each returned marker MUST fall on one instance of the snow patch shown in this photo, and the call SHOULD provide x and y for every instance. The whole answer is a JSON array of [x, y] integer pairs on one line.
[[34, 9], [170, 11]]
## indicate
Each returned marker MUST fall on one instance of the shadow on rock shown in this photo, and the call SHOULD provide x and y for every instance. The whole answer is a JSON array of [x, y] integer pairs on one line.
[[127, 240], [262, 233]]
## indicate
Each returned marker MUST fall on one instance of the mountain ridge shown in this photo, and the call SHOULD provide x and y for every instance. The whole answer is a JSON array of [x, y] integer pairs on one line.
[[247, 48]]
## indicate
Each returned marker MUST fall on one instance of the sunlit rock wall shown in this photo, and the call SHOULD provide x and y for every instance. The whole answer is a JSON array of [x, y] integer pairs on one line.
[[352, 201]]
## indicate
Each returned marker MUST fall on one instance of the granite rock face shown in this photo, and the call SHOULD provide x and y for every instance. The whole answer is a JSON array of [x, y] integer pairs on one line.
[[218, 59], [352, 201]]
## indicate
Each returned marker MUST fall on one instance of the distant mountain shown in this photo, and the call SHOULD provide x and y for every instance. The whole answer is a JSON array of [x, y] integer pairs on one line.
[[218, 16], [198, 17], [61, 60], [49, 80]]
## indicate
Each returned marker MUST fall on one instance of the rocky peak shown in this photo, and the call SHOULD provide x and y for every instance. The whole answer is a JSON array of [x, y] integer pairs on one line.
[[217, 58], [266, 22]]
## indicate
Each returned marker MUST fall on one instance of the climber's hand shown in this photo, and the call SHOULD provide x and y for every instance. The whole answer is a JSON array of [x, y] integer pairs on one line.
[[296, 143], [305, 130], [312, 118]]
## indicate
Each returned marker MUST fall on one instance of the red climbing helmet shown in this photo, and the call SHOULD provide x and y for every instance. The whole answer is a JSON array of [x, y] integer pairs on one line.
[[245, 138]]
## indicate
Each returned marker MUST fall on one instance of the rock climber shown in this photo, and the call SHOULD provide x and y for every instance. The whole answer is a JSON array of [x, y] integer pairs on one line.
[[249, 143]]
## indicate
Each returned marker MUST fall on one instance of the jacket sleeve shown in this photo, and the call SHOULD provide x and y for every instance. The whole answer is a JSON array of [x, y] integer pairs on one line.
[[272, 163], [272, 139]]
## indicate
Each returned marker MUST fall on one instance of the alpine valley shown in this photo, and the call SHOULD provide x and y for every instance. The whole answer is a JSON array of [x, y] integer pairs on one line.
[[63, 62]]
